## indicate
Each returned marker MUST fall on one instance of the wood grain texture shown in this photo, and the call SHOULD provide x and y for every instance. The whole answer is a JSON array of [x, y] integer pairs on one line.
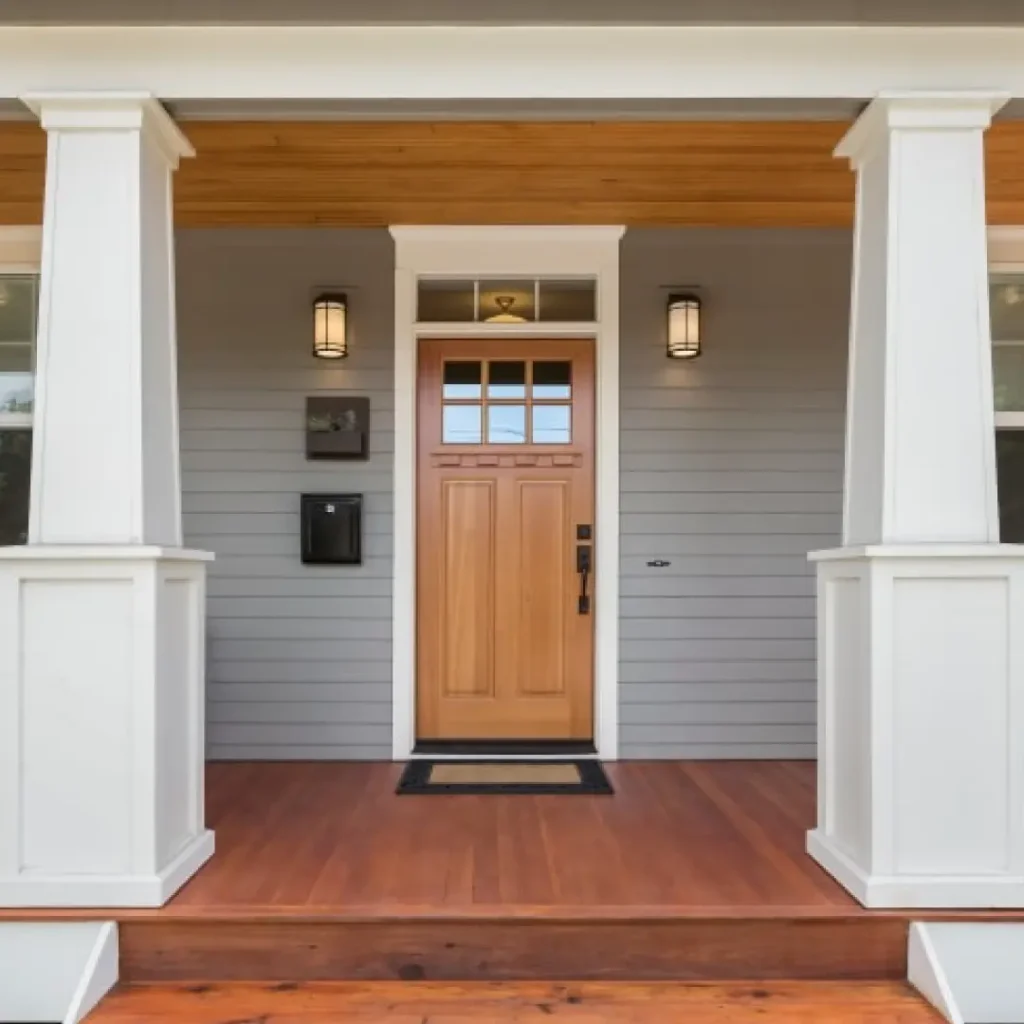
[[586, 1003], [502, 649], [368, 174], [449, 949]]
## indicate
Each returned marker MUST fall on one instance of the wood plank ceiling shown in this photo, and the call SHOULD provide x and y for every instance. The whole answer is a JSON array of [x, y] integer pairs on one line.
[[368, 174]]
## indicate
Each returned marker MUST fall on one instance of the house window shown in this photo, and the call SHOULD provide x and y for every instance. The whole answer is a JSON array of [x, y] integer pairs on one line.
[[19, 294], [1006, 298]]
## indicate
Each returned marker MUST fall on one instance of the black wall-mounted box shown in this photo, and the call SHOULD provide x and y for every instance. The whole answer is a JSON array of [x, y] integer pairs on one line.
[[332, 529]]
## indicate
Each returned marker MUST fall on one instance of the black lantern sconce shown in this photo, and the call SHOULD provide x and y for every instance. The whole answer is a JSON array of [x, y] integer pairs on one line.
[[684, 310], [330, 326]]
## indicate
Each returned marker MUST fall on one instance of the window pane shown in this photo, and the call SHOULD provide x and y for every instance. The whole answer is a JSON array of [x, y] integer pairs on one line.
[[1006, 303], [506, 424], [506, 380], [1010, 474], [1008, 377], [461, 424], [17, 336], [551, 424], [15, 464], [572, 300], [507, 302], [462, 380], [445, 301], [552, 380]]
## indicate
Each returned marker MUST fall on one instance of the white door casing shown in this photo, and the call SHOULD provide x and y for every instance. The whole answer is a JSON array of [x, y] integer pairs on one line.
[[470, 252]]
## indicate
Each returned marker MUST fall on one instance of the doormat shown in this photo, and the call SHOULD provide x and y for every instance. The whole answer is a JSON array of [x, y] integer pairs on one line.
[[537, 778]]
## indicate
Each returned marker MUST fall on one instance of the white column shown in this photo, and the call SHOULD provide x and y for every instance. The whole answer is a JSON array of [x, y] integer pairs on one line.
[[102, 613], [921, 613]]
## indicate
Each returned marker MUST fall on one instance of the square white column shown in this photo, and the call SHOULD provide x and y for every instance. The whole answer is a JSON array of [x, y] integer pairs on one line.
[[102, 614], [921, 613]]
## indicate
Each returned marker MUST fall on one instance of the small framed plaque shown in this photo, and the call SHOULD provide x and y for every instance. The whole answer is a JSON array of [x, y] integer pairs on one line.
[[337, 427]]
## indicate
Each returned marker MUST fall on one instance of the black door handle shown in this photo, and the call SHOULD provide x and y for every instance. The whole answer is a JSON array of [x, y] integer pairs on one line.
[[584, 568]]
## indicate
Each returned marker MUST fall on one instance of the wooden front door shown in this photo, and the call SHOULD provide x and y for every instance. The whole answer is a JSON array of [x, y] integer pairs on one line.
[[505, 640]]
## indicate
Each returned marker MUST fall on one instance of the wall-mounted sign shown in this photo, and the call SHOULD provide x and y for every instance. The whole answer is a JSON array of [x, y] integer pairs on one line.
[[337, 427]]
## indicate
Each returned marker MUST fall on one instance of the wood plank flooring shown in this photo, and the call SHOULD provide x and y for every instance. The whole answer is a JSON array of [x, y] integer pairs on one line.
[[432, 1003], [676, 838]]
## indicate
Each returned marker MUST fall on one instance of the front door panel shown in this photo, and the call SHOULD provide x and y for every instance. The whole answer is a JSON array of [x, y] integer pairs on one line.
[[505, 503]]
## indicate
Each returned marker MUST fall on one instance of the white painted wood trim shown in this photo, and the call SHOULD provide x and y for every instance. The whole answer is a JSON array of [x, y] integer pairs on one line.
[[480, 251], [55, 970], [83, 890], [567, 62], [99, 977], [926, 974], [21, 249], [969, 970]]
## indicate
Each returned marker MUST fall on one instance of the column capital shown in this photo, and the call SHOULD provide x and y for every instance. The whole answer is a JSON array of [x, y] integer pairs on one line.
[[892, 111], [111, 111]]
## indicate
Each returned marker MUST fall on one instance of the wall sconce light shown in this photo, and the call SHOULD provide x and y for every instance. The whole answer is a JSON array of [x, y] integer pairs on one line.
[[683, 326], [330, 326]]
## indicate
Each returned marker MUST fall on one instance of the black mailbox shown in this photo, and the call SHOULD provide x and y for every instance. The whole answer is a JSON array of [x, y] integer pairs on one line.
[[332, 529]]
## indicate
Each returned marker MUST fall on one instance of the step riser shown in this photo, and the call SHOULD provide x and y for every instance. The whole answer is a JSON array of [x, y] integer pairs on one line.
[[680, 950]]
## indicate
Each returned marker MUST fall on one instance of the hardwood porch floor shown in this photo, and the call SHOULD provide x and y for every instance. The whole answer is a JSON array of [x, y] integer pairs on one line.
[[692, 871], [676, 838]]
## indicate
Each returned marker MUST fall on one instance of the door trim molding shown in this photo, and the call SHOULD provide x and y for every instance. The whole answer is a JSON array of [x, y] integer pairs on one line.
[[494, 251]]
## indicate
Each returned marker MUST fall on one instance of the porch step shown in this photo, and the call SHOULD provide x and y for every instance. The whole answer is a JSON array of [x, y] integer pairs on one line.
[[534, 948], [581, 1003]]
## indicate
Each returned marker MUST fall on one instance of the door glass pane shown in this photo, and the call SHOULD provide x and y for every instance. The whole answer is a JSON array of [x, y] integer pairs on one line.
[[460, 424], [507, 302], [551, 424], [1008, 377], [1010, 474], [17, 337], [506, 424], [506, 380], [552, 379], [446, 301], [15, 464], [574, 301], [462, 380]]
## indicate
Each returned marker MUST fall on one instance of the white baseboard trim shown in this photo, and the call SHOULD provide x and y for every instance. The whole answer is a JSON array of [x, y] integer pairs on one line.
[[108, 890], [936, 892]]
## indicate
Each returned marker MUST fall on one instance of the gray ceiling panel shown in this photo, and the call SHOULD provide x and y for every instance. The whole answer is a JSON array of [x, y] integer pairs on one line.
[[493, 12]]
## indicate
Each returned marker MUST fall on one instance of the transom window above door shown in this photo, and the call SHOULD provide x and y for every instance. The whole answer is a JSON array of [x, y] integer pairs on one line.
[[506, 301], [500, 401]]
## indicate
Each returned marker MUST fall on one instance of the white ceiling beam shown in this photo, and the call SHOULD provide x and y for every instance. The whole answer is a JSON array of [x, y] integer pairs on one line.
[[509, 63]]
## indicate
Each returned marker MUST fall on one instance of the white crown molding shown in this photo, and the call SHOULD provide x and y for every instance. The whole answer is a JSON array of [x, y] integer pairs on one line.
[[129, 111], [895, 111]]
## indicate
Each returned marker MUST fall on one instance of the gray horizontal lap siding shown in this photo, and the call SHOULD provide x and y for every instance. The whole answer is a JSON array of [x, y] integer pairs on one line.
[[731, 471], [299, 658]]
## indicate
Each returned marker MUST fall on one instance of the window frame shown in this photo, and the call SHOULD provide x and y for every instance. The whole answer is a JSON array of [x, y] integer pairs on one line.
[[1014, 419], [20, 253]]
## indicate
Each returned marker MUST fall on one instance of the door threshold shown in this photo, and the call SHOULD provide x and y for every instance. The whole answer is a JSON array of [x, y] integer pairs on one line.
[[506, 748]]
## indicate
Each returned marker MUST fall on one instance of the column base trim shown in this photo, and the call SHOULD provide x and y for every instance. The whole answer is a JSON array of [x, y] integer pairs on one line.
[[896, 892], [108, 890]]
